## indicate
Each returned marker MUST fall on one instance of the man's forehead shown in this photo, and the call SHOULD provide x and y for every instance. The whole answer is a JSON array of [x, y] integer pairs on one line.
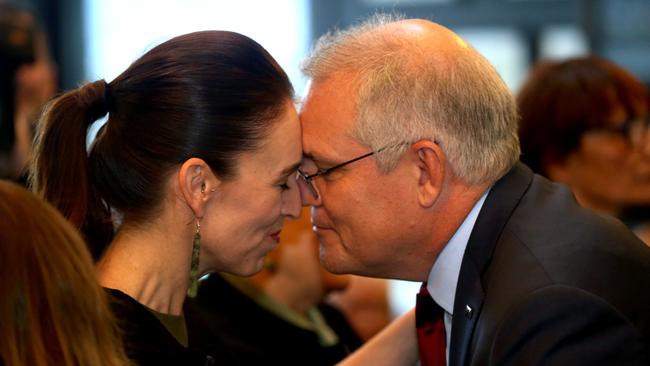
[[327, 116], [342, 84], [319, 142], [332, 100], [328, 145]]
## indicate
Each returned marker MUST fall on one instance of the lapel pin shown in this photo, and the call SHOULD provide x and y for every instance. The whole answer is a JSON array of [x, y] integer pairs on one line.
[[468, 312]]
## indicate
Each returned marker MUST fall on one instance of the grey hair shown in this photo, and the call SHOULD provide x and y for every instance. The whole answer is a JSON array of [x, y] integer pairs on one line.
[[407, 92]]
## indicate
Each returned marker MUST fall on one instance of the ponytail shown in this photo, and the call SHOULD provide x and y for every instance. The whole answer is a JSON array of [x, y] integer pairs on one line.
[[60, 170]]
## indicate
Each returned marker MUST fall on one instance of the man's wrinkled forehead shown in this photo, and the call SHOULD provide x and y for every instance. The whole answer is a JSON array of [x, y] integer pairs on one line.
[[327, 116]]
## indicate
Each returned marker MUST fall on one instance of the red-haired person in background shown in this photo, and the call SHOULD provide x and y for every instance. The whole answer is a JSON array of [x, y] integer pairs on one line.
[[584, 122]]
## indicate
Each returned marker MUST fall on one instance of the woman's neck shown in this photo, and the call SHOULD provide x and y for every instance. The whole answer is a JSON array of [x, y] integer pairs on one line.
[[150, 266]]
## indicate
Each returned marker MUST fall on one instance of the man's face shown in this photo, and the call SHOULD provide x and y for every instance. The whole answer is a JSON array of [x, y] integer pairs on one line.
[[361, 217]]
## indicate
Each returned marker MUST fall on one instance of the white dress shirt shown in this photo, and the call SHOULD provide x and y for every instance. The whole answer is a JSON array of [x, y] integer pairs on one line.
[[443, 278]]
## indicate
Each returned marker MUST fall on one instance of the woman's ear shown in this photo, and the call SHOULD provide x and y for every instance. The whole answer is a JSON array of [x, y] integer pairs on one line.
[[430, 161], [196, 182]]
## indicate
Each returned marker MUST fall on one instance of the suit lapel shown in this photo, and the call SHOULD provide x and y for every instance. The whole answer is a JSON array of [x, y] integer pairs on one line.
[[497, 209]]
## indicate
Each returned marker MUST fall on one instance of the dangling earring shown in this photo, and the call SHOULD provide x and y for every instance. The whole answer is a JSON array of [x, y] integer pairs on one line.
[[194, 267]]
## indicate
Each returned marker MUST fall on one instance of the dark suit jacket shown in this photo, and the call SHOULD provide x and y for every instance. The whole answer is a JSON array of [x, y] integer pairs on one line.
[[546, 282]]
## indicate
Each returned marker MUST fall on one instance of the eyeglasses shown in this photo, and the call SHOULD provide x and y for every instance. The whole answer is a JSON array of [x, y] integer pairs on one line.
[[634, 130], [306, 179]]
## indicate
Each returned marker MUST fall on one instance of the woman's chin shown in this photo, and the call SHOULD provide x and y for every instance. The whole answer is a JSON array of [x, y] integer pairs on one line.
[[251, 268]]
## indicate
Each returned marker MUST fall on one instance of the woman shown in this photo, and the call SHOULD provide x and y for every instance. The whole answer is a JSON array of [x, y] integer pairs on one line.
[[584, 122], [52, 312], [197, 160]]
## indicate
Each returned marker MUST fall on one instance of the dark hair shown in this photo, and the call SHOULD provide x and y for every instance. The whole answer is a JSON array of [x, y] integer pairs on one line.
[[211, 95], [561, 100], [46, 274]]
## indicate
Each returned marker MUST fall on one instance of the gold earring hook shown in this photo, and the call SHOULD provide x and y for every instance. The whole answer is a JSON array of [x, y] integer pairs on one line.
[[203, 188]]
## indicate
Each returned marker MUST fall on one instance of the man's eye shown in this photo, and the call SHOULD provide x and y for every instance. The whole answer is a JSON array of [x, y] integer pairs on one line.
[[332, 174]]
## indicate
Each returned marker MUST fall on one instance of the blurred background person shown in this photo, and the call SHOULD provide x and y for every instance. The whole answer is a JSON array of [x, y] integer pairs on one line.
[[53, 311], [278, 316], [584, 122], [27, 80], [365, 303]]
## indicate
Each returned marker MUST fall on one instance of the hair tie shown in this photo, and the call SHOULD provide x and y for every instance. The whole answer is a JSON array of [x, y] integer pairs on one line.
[[107, 97], [96, 97]]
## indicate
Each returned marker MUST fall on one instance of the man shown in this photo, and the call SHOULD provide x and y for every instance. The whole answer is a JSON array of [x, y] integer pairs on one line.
[[411, 168]]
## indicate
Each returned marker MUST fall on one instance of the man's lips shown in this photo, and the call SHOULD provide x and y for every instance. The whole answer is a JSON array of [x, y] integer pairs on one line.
[[275, 236], [319, 227]]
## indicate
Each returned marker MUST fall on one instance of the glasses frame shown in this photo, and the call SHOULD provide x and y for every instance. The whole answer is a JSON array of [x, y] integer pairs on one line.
[[624, 129], [307, 178]]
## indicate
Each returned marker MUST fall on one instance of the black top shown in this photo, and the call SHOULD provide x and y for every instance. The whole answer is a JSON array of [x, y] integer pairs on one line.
[[255, 335], [148, 342]]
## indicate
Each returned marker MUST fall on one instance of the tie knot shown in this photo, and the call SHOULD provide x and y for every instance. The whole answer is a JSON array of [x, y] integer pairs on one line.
[[430, 329], [423, 290], [426, 310]]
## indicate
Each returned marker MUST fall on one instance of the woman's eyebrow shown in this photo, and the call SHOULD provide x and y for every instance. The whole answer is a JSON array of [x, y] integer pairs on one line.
[[290, 169]]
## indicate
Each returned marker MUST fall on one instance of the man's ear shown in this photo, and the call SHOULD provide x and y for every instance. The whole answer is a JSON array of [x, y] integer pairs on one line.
[[196, 182], [430, 162]]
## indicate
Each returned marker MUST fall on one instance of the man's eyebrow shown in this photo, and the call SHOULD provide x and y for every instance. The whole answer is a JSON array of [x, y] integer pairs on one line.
[[318, 161]]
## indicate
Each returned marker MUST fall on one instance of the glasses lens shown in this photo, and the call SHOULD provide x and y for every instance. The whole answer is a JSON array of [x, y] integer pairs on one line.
[[307, 183], [637, 131]]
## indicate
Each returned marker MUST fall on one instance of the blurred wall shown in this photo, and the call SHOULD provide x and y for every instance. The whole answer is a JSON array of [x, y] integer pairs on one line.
[[532, 29], [615, 29]]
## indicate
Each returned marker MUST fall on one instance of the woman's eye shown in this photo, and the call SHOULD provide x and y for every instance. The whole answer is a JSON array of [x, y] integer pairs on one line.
[[285, 185]]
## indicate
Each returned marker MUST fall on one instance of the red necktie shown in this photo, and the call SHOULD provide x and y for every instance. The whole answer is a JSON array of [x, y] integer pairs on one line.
[[430, 328]]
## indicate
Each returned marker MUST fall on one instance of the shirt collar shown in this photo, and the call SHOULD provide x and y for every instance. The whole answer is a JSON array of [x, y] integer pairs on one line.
[[443, 277]]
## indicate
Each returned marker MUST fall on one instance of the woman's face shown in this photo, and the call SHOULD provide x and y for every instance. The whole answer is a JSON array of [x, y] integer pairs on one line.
[[609, 171], [242, 224]]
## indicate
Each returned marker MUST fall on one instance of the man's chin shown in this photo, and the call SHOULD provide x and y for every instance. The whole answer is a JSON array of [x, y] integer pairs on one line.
[[331, 261]]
